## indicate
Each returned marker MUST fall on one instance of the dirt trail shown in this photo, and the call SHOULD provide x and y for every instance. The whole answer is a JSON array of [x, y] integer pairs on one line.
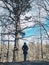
[[26, 63]]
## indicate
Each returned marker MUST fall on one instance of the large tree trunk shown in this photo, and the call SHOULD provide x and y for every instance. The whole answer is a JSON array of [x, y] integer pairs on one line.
[[16, 45]]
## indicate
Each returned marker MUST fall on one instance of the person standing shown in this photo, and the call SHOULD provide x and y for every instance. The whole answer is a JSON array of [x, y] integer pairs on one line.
[[25, 50]]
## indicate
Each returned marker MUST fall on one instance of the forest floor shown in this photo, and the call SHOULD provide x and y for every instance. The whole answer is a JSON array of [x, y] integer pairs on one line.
[[26, 63]]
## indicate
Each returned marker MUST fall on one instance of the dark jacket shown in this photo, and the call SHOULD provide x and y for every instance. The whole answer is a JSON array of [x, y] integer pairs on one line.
[[25, 49]]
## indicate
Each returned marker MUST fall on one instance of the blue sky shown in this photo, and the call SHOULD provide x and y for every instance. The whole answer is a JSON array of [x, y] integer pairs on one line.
[[31, 31], [36, 30]]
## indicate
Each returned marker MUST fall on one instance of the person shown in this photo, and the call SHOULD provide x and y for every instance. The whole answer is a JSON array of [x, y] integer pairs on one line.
[[25, 50]]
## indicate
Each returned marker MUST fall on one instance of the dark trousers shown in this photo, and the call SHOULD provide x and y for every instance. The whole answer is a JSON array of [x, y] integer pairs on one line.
[[25, 56]]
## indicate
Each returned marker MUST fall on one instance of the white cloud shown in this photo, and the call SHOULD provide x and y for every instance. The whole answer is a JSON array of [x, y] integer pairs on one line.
[[1, 10], [1, 3], [22, 17]]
